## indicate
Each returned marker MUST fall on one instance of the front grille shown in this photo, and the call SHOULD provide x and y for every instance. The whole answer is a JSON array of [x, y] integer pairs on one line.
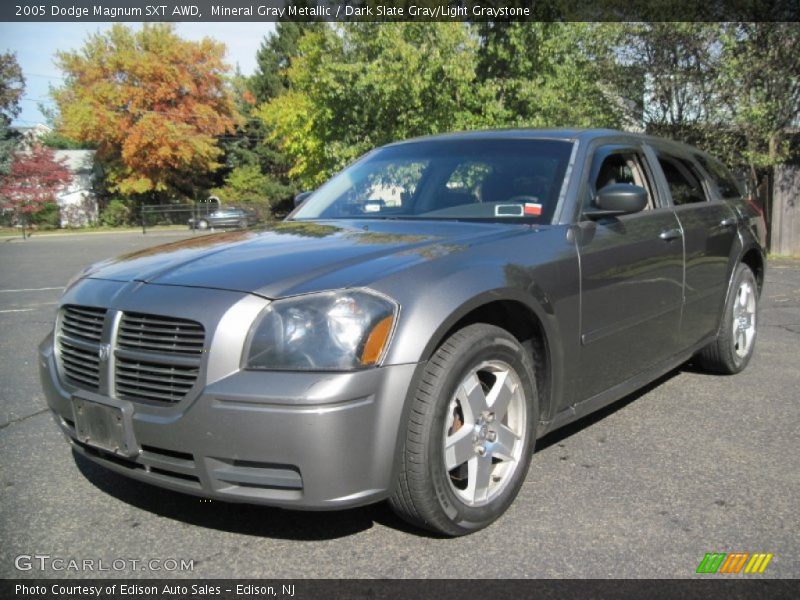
[[80, 365], [153, 381], [155, 358], [83, 322], [80, 331], [152, 333]]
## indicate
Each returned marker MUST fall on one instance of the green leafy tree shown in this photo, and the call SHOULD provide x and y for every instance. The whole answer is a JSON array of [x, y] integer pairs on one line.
[[12, 86], [759, 83], [364, 84], [275, 56], [253, 144], [549, 74]]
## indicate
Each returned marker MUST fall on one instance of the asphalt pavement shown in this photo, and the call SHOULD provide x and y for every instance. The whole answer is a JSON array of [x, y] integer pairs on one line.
[[692, 464]]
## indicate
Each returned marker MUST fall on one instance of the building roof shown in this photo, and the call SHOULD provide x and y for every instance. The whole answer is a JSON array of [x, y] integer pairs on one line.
[[77, 161]]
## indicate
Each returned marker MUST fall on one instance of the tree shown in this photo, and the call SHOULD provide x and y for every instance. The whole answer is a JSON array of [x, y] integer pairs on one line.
[[249, 149], [671, 69], [151, 102], [12, 86], [252, 143], [32, 183], [364, 84], [759, 83], [548, 74], [275, 56]]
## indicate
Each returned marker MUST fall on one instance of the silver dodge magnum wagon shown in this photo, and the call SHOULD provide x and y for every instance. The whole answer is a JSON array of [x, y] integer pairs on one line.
[[412, 328]]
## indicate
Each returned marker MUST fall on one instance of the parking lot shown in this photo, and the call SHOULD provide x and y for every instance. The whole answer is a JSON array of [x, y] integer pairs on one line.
[[692, 464]]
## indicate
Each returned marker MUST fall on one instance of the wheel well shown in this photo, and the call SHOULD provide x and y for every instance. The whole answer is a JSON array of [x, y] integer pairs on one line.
[[521, 322], [752, 258]]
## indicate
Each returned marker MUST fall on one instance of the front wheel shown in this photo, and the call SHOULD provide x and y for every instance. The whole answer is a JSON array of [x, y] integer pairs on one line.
[[470, 433], [730, 352]]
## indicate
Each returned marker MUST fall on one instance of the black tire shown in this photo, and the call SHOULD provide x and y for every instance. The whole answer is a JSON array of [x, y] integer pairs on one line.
[[202, 224], [723, 355], [243, 224], [424, 493]]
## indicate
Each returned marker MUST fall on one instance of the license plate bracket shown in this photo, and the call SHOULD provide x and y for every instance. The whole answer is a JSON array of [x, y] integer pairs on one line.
[[104, 426]]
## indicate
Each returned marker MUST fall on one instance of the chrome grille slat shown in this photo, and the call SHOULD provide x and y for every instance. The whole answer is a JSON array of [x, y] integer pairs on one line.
[[68, 353], [165, 370], [144, 345], [158, 358], [187, 380], [169, 336], [83, 322], [80, 330], [134, 393], [76, 367], [137, 327], [163, 334], [78, 343]]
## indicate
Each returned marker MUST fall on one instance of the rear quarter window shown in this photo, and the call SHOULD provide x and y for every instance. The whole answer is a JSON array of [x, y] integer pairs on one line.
[[724, 181]]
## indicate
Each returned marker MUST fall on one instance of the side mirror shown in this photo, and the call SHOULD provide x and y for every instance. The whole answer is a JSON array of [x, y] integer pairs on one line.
[[301, 197], [618, 199]]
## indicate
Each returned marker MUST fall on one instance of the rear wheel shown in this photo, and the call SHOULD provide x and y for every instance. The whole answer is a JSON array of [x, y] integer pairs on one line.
[[734, 346], [470, 433], [202, 224]]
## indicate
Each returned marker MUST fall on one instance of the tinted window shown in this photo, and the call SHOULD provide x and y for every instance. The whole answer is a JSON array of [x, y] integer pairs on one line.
[[722, 178], [682, 179], [489, 179]]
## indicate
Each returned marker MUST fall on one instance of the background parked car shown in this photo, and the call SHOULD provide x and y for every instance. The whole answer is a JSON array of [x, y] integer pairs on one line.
[[224, 217]]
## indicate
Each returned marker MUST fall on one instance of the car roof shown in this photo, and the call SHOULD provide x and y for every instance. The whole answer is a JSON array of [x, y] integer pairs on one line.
[[570, 135]]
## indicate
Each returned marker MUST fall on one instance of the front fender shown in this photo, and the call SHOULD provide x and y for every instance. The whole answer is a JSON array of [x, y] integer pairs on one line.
[[434, 309]]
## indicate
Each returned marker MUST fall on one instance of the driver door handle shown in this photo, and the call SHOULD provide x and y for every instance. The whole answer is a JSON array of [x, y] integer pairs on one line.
[[670, 234]]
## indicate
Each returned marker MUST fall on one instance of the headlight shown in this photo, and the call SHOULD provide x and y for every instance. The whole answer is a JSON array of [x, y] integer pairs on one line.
[[331, 331]]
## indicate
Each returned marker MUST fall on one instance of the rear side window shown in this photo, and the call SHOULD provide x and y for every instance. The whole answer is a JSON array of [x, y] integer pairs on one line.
[[683, 181], [722, 178]]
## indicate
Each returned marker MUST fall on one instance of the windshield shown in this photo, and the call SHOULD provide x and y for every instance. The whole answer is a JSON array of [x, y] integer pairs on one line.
[[510, 180]]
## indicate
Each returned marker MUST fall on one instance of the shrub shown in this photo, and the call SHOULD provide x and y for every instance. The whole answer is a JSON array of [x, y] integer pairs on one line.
[[116, 214], [47, 218]]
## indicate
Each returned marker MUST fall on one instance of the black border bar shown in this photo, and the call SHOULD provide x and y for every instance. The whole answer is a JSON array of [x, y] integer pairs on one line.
[[397, 10], [706, 588]]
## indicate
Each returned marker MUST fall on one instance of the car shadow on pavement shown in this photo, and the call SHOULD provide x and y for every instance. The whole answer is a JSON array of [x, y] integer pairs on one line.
[[247, 519], [585, 422], [264, 521]]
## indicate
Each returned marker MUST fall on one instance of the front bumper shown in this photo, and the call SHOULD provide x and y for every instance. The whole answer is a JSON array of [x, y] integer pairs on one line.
[[298, 440]]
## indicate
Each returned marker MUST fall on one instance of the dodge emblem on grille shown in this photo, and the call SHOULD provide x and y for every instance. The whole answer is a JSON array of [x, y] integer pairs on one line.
[[104, 351]]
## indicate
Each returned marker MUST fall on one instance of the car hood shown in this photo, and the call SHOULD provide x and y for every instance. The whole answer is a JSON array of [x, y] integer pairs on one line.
[[294, 257]]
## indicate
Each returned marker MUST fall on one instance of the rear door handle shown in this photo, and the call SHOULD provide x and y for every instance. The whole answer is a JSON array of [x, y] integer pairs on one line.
[[670, 234], [729, 222]]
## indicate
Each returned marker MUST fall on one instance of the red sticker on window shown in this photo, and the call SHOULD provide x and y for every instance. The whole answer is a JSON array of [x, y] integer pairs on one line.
[[533, 209]]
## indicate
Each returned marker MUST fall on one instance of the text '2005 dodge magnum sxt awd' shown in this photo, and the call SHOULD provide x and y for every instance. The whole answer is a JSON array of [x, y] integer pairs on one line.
[[413, 326]]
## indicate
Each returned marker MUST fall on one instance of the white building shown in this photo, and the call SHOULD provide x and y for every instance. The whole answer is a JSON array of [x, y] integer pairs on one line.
[[77, 202]]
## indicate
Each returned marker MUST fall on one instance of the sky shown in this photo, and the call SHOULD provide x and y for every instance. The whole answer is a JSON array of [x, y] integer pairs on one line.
[[35, 45]]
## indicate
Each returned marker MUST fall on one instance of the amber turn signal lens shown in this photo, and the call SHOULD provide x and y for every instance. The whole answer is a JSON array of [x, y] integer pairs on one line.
[[376, 341]]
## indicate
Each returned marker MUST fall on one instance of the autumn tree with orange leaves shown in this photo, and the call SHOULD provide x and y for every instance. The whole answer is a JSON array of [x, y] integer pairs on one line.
[[152, 103]]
